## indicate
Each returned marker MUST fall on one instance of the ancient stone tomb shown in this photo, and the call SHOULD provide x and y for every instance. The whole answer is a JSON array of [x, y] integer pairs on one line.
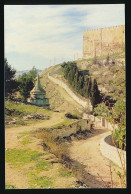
[[37, 95]]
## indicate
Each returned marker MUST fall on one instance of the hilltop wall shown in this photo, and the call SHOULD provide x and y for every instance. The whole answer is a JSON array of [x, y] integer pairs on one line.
[[85, 104], [102, 41]]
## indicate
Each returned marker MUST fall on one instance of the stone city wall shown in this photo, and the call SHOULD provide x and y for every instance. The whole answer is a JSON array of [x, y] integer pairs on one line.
[[85, 104], [102, 41]]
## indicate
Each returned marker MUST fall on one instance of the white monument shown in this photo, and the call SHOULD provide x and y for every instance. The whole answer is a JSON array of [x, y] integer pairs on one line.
[[37, 95]]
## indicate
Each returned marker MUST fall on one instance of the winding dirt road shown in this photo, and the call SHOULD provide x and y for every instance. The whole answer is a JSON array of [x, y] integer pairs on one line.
[[87, 152], [17, 177]]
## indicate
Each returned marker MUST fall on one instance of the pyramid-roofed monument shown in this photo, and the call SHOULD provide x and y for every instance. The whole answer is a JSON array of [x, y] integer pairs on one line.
[[37, 95]]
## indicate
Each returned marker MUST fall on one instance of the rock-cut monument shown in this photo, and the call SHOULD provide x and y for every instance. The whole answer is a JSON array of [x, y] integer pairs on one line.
[[37, 95]]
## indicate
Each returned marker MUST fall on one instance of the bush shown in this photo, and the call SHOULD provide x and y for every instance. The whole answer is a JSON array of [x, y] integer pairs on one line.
[[119, 136], [70, 116]]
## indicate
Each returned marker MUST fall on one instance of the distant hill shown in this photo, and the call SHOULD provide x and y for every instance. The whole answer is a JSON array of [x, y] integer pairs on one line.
[[26, 71]]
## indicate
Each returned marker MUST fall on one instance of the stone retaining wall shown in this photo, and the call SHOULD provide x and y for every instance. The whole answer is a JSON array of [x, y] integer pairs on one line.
[[98, 122], [85, 104], [72, 128], [112, 153]]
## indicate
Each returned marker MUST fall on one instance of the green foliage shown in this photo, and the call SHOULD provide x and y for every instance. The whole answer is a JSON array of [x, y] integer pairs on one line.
[[95, 94], [8, 186], [120, 137], [43, 165], [33, 72], [101, 110], [21, 157], [13, 109], [116, 114], [81, 83], [11, 85], [42, 182], [26, 141], [119, 113], [26, 83], [20, 122], [22, 134], [66, 173]]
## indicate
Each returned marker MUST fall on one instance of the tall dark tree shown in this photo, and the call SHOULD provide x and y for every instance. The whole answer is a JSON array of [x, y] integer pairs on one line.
[[95, 94], [11, 85], [89, 87], [81, 83]]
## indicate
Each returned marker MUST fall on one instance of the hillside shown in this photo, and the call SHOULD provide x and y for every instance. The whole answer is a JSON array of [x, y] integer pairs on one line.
[[110, 77], [59, 99], [45, 149]]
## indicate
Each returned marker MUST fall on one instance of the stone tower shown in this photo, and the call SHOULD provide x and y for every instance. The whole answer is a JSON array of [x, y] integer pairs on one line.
[[37, 95]]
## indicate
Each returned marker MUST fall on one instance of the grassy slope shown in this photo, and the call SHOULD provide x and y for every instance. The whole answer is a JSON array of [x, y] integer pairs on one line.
[[58, 97], [25, 157], [111, 79]]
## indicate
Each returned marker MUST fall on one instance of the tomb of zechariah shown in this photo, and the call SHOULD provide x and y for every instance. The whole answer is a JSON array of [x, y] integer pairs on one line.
[[37, 95]]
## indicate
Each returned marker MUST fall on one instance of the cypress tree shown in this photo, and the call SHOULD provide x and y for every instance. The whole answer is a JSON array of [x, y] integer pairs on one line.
[[89, 88], [95, 94]]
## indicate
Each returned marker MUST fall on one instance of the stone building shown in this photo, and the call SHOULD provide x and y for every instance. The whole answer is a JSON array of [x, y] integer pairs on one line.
[[37, 95], [103, 41]]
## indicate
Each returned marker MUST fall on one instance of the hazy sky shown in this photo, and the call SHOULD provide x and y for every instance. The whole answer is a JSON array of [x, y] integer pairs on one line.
[[44, 35]]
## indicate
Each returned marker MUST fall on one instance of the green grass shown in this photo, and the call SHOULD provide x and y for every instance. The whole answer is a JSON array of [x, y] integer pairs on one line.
[[63, 123], [25, 109], [21, 157], [8, 186], [20, 122], [26, 141], [22, 134], [41, 182], [41, 165], [66, 173]]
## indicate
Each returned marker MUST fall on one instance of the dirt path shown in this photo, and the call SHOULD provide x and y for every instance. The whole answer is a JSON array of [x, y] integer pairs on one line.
[[87, 152], [17, 177]]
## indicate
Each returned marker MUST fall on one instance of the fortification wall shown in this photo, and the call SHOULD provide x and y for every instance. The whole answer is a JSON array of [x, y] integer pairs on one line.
[[103, 41], [85, 104]]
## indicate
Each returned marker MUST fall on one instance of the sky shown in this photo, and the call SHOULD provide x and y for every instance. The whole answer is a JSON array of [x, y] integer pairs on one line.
[[46, 35]]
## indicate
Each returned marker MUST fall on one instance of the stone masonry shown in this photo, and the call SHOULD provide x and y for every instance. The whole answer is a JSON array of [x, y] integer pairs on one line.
[[103, 41], [37, 95]]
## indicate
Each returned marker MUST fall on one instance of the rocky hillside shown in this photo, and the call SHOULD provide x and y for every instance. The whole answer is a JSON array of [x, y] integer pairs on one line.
[[110, 74]]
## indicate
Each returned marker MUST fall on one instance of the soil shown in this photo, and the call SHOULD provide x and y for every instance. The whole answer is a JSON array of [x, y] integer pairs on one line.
[[96, 166], [86, 152], [17, 177]]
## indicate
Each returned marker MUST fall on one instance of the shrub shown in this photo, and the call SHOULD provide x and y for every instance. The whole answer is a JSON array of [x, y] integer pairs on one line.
[[8, 186], [119, 136], [70, 116]]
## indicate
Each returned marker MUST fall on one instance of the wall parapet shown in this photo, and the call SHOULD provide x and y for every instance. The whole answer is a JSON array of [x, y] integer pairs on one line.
[[85, 104], [114, 154], [107, 40]]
